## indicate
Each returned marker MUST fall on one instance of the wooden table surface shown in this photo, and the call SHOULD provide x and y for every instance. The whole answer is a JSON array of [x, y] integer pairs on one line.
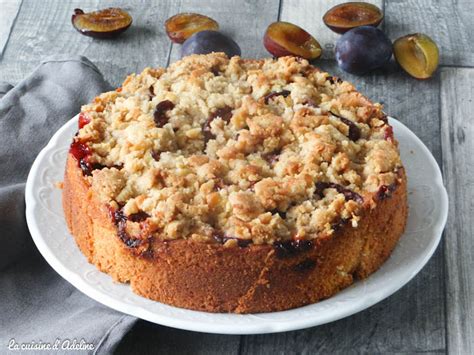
[[434, 312]]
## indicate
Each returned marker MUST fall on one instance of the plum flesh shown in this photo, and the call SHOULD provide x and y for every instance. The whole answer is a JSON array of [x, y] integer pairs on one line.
[[343, 17], [182, 26], [106, 23], [417, 54], [284, 38]]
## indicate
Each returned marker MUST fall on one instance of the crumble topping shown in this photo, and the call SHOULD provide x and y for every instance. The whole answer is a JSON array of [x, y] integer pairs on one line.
[[224, 149]]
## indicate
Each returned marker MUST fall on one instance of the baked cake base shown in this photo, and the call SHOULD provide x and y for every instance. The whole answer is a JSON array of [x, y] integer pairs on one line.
[[214, 278]]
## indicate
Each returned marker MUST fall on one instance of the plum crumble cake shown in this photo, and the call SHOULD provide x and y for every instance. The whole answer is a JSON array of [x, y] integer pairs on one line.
[[232, 185]]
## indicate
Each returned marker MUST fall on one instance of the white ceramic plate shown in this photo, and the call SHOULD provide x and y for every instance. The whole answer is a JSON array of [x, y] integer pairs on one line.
[[427, 216]]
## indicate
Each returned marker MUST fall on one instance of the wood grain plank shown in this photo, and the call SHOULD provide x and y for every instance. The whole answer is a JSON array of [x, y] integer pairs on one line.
[[457, 126], [413, 319], [10, 9], [243, 21], [450, 23], [43, 28], [149, 338], [308, 14]]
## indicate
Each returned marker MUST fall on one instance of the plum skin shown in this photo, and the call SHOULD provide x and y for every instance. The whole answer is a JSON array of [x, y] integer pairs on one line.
[[362, 50], [205, 42]]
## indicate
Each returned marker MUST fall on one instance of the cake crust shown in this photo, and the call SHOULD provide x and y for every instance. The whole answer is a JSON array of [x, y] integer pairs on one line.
[[214, 278]]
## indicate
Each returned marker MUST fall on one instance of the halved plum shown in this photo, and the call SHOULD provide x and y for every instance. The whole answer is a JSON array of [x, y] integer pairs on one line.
[[182, 26], [343, 17], [417, 54], [284, 38], [106, 23]]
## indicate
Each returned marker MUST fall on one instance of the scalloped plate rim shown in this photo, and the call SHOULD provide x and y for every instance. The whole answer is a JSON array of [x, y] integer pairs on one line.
[[258, 323]]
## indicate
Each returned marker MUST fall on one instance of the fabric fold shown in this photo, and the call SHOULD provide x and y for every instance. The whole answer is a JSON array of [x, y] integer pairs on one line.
[[37, 304]]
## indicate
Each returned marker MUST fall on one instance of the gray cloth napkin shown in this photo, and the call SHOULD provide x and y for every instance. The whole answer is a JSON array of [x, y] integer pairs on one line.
[[36, 304]]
